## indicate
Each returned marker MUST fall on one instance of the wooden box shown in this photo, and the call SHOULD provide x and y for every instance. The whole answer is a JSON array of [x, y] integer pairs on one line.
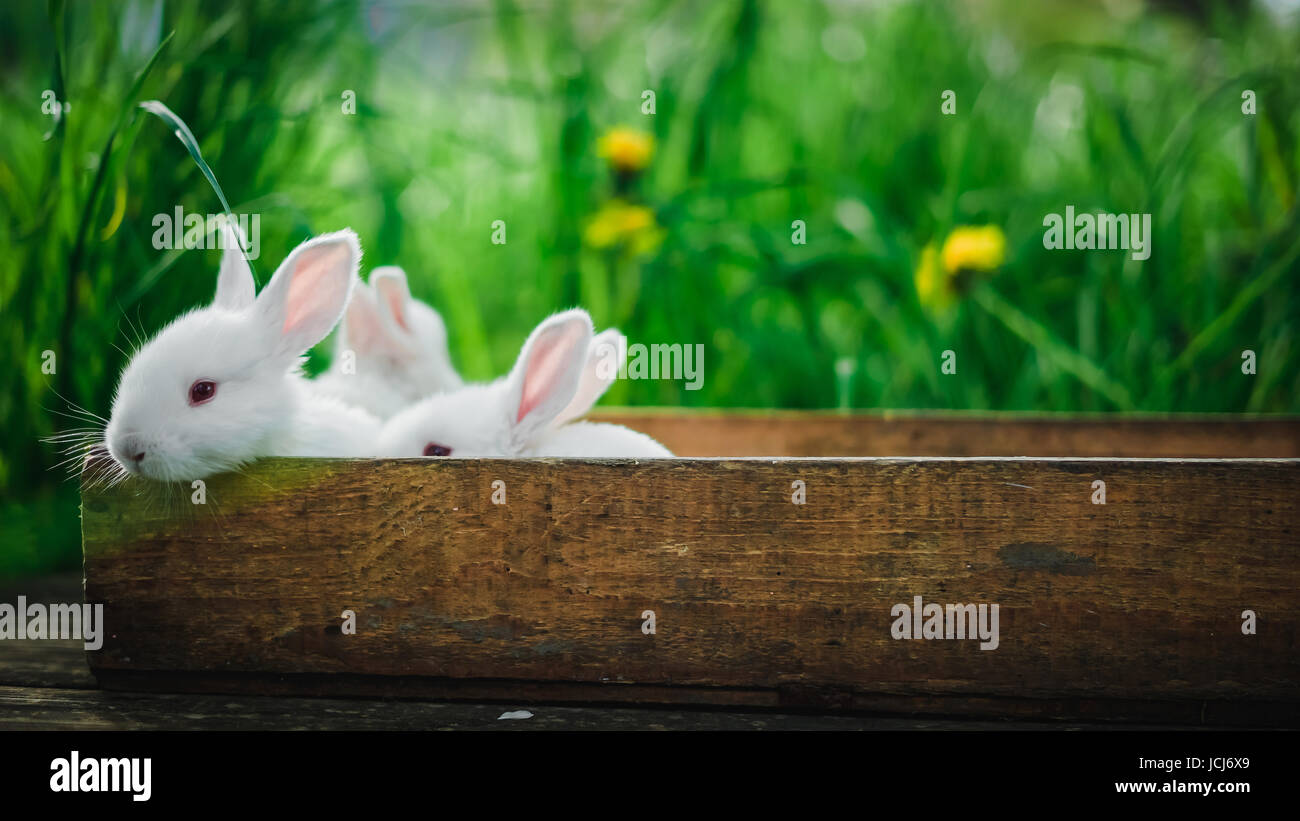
[[1142, 568]]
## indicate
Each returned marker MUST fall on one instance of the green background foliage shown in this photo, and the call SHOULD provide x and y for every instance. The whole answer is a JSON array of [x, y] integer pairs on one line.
[[766, 112]]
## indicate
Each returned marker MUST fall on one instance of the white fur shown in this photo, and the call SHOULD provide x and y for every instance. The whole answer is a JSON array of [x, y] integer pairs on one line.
[[252, 349], [398, 344], [559, 375], [597, 439]]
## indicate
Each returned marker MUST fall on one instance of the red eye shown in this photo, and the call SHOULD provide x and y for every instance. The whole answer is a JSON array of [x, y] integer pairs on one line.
[[202, 391], [434, 449]]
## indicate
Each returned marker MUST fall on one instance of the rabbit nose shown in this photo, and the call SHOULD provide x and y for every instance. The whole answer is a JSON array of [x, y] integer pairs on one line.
[[130, 448]]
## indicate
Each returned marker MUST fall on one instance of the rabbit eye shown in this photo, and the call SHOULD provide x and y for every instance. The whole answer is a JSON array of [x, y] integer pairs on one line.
[[434, 449], [202, 391]]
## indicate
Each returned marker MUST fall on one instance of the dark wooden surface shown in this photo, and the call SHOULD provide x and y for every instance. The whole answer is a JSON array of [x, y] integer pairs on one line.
[[691, 432], [1125, 610], [46, 685]]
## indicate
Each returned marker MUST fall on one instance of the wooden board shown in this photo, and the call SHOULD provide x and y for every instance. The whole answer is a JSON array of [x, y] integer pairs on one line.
[[937, 433], [46, 685], [1131, 609], [44, 709]]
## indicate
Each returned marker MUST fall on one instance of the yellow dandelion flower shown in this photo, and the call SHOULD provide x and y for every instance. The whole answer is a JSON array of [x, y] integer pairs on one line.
[[933, 283], [619, 223], [944, 273], [974, 249], [626, 149]]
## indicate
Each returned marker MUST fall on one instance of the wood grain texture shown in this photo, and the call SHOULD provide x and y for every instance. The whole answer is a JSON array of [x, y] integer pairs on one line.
[[44, 685], [43, 709], [920, 433], [758, 601], [44, 662]]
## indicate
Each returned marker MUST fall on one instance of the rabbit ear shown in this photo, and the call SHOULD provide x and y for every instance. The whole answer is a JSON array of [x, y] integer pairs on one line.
[[305, 299], [364, 330], [393, 293], [605, 357], [546, 375], [235, 287]]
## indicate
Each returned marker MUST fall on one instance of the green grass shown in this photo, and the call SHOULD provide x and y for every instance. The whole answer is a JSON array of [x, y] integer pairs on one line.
[[766, 113]]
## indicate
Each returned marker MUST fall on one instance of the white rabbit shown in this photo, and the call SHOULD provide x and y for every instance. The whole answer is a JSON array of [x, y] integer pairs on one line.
[[559, 375], [220, 386], [398, 348]]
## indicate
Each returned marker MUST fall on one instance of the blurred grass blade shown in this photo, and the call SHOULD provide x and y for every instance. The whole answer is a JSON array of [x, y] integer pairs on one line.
[[183, 133], [56, 14], [96, 187], [77, 257], [1245, 297], [1068, 359]]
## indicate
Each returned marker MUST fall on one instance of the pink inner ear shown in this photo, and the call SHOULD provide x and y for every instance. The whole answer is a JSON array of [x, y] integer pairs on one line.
[[545, 367], [309, 290], [396, 304], [363, 321]]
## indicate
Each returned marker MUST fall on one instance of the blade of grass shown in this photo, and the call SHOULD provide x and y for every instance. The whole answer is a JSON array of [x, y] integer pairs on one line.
[[1225, 320], [88, 213], [1062, 355], [56, 14], [183, 133]]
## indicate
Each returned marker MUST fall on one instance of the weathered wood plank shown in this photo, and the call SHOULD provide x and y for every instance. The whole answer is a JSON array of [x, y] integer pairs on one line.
[[51, 701], [1097, 712], [45, 662], [44, 709], [52, 677], [757, 600], [937, 433]]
